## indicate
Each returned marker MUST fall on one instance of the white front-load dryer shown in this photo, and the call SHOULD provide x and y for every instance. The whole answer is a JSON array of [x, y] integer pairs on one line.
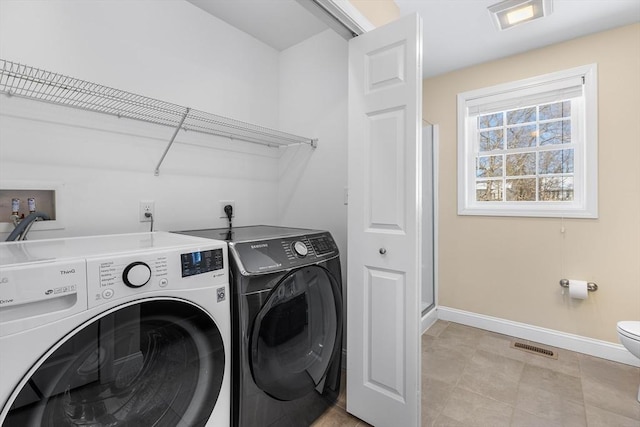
[[119, 330]]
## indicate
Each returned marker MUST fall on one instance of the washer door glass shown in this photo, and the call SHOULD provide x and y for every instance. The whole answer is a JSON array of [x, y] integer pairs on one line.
[[295, 335], [153, 363]]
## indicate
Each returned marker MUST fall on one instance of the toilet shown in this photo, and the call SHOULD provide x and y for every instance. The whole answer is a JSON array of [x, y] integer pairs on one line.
[[629, 336]]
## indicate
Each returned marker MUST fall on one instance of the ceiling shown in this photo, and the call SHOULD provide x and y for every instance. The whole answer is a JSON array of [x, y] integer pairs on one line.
[[457, 33]]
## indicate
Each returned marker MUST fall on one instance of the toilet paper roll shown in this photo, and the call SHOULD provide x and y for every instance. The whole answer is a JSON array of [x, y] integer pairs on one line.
[[578, 289]]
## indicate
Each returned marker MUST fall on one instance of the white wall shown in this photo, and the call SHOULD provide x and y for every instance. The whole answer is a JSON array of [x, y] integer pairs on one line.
[[313, 102], [105, 167], [169, 50]]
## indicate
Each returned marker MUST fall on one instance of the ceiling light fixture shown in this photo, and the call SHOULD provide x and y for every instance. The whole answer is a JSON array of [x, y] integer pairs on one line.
[[508, 13]]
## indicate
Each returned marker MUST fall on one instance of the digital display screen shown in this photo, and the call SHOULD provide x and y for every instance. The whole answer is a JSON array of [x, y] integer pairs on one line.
[[201, 262]]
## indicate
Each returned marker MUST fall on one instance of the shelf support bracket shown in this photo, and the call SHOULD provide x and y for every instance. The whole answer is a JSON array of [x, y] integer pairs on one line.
[[314, 143], [166, 150]]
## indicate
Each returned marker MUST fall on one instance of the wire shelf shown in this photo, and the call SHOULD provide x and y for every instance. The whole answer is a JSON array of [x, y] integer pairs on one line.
[[34, 83]]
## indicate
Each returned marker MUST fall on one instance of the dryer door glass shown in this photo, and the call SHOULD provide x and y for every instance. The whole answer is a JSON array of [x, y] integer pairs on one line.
[[153, 363], [295, 335]]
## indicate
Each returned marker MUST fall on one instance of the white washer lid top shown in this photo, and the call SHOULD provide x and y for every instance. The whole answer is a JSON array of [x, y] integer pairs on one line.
[[630, 327], [29, 251]]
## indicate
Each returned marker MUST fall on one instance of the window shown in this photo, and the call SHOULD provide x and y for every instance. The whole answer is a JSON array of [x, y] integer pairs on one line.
[[529, 148]]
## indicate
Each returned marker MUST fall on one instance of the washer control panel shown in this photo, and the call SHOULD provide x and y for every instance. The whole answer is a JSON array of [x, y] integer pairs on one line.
[[42, 281], [283, 253], [123, 276]]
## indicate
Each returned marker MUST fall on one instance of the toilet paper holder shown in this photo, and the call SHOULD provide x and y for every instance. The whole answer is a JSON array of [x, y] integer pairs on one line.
[[591, 287]]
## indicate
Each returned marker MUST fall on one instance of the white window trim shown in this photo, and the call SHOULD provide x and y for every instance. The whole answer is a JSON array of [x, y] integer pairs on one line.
[[585, 203]]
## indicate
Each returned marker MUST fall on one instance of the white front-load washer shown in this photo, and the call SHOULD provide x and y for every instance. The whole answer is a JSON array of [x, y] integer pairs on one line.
[[118, 330]]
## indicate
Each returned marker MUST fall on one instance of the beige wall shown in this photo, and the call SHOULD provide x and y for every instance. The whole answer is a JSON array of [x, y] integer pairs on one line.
[[378, 12], [510, 267]]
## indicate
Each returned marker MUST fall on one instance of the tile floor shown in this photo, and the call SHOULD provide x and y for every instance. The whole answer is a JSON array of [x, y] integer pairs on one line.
[[472, 377]]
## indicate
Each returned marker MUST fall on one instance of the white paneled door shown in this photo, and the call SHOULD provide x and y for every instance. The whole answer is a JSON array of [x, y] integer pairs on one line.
[[384, 237]]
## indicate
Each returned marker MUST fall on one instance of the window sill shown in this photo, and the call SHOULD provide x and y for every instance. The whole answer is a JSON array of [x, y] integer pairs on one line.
[[519, 210]]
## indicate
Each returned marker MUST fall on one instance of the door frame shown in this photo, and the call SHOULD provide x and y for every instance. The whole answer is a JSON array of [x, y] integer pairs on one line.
[[340, 15]]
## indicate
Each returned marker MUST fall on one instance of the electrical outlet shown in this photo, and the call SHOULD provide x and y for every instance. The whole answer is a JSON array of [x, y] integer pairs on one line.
[[146, 206], [224, 203]]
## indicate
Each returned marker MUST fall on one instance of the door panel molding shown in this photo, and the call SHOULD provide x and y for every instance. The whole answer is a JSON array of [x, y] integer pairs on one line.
[[384, 195], [385, 67], [385, 363]]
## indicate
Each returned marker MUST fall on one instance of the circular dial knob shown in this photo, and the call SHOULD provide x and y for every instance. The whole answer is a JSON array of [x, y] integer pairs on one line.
[[300, 249], [136, 274]]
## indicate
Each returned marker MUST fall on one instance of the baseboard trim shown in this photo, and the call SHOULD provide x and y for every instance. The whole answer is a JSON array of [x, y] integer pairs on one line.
[[428, 319], [580, 344]]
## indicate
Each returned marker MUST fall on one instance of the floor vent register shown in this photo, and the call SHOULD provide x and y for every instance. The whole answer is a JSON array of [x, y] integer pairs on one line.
[[534, 349]]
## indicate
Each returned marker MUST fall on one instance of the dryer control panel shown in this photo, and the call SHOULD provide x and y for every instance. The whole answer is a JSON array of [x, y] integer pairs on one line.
[[268, 256]]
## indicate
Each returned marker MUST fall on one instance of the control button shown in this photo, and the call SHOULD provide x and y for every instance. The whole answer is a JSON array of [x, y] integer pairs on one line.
[[136, 274], [107, 293], [163, 283], [300, 249], [321, 245]]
